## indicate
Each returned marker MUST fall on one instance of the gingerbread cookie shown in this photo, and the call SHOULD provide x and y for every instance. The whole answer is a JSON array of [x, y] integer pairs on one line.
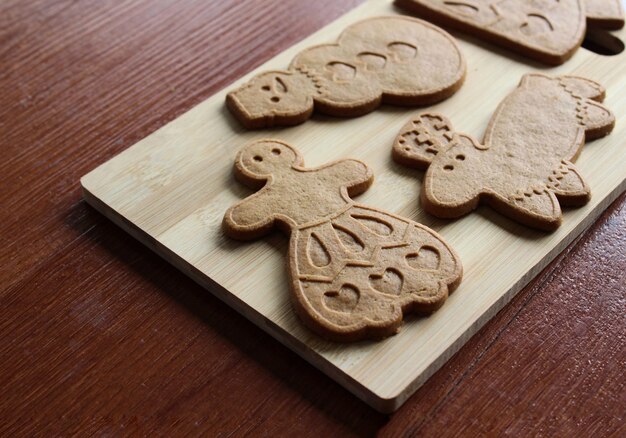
[[605, 14], [354, 269], [523, 167], [395, 60], [547, 30]]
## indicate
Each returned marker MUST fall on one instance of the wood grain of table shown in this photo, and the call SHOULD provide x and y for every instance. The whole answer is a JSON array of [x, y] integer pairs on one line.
[[101, 336]]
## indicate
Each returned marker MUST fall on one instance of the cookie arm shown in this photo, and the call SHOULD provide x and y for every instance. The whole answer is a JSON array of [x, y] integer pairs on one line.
[[248, 219], [583, 87], [354, 175]]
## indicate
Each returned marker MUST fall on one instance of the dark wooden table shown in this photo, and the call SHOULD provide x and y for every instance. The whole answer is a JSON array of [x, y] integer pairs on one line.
[[99, 335]]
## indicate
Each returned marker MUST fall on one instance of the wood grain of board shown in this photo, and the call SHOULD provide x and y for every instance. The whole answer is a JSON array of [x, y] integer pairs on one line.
[[103, 337], [170, 191]]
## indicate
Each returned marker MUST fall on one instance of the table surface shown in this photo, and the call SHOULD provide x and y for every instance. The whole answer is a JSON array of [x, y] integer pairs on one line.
[[101, 335]]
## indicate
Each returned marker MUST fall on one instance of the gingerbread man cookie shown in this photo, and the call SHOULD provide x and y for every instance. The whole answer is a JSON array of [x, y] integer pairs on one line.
[[354, 269], [396, 60], [547, 30], [523, 167]]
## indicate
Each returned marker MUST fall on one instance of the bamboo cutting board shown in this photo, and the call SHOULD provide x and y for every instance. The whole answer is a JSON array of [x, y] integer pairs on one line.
[[171, 189]]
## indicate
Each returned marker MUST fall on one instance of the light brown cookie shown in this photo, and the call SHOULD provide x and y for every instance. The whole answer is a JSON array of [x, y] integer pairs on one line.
[[354, 269], [396, 60], [523, 168], [605, 14], [549, 31]]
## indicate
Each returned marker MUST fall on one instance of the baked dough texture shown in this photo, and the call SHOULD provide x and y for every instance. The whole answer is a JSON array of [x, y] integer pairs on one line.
[[354, 270], [396, 60], [524, 165]]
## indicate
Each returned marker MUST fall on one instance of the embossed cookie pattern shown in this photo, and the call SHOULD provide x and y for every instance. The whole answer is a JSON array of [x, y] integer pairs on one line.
[[547, 30], [354, 270], [524, 166], [396, 60]]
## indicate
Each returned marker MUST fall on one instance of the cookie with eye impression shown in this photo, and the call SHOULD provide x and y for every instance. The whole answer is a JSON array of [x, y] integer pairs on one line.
[[524, 165], [395, 60], [354, 270]]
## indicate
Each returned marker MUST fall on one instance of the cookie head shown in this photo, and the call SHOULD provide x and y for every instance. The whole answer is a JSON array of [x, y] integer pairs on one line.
[[454, 178], [272, 95], [264, 158]]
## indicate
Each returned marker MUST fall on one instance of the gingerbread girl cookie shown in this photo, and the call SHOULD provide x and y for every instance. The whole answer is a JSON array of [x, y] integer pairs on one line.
[[396, 60], [523, 167], [354, 269]]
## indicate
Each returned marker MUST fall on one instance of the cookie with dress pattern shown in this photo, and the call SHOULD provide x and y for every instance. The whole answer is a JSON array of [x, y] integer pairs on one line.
[[354, 270]]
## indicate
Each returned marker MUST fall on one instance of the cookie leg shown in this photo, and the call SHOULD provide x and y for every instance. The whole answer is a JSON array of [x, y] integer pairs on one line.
[[568, 185], [537, 208]]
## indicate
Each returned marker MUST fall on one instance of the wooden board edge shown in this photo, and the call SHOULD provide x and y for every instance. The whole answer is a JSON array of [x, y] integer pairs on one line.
[[498, 305], [381, 402], [384, 403], [275, 331]]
